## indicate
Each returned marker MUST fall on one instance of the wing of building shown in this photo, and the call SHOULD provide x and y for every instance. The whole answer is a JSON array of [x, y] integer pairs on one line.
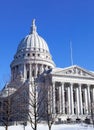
[[72, 88]]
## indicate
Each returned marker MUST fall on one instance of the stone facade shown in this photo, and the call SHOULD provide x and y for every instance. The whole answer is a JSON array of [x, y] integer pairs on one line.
[[73, 92]]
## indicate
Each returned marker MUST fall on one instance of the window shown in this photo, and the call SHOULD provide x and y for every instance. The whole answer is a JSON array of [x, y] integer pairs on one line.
[[83, 97], [74, 95], [33, 54], [74, 110], [23, 55], [33, 73], [16, 57], [66, 95], [17, 68], [27, 74], [65, 110], [46, 56], [38, 73], [28, 54], [83, 111]]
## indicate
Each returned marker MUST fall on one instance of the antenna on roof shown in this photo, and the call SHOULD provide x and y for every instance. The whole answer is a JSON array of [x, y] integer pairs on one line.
[[71, 53]]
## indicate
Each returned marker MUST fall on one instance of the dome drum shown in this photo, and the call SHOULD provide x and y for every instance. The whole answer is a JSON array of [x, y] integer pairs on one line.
[[31, 61], [30, 54]]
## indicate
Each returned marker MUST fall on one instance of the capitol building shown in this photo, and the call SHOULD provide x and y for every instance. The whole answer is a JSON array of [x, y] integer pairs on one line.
[[72, 88]]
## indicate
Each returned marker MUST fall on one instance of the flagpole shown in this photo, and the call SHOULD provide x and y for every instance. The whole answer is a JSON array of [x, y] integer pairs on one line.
[[71, 53]]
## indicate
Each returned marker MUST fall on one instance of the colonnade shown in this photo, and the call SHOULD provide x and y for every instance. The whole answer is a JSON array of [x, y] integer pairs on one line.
[[28, 70], [72, 98]]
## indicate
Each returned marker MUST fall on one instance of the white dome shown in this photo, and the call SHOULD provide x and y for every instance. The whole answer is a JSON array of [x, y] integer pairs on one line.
[[32, 56], [33, 41], [33, 47]]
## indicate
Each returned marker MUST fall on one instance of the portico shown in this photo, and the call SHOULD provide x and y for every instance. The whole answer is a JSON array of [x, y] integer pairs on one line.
[[73, 94]]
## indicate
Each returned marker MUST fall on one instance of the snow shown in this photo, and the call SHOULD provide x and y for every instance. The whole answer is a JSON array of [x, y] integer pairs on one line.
[[54, 127]]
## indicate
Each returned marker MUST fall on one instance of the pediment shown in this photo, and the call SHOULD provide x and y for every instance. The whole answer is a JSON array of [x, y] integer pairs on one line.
[[75, 71]]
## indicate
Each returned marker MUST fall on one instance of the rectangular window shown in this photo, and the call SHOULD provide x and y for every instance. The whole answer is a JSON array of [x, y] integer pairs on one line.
[[27, 74]]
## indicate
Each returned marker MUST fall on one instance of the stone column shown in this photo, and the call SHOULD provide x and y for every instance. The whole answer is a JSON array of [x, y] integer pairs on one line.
[[30, 72], [80, 99], [93, 94], [36, 70], [41, 68], [86, 101], [72, 103], [53, 99], [88, 95], [63, 99], [77, 94], [24, 71], [69, 108], [60, 106]]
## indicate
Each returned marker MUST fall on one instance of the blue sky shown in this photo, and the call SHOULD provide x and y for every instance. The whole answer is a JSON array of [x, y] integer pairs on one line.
[[58, 22]]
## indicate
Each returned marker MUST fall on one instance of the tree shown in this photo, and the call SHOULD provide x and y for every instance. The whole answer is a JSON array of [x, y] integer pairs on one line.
[[6, 110], [23, 105], [49, 116], [10, 106], [48, 113], [31, 103]]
